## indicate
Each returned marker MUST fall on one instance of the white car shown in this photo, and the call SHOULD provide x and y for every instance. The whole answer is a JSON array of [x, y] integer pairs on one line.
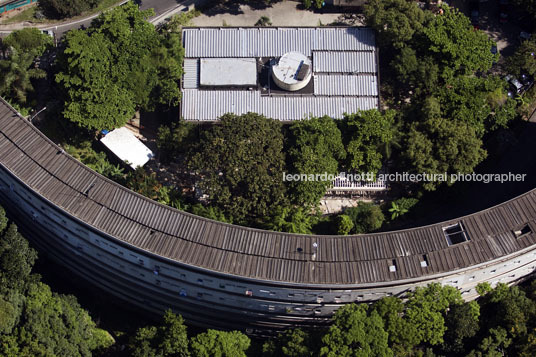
[[514, 82], [48, 32]]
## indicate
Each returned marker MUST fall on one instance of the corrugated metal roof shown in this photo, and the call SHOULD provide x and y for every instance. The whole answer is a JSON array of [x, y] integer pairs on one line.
[[333, 50], [117, 214], [268, 42], [191, 73], [344, 61], [343, 84], [210, 105]]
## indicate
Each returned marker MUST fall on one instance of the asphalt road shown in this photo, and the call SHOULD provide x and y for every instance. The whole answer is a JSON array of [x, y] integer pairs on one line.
[[160, 7]]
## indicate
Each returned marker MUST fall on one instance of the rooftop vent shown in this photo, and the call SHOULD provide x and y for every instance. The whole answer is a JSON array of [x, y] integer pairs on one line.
[[424, 261], [524, 230], [455, 234], [392, 267]]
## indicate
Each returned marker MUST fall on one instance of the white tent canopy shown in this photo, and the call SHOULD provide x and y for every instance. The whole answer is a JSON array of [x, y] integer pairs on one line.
[[127, 147]]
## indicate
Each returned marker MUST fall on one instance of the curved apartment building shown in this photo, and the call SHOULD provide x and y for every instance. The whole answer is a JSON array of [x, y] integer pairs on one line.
[[225, 276]]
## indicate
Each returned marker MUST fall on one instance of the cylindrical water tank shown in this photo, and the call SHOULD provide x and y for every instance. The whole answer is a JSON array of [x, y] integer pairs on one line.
[[292, 72]]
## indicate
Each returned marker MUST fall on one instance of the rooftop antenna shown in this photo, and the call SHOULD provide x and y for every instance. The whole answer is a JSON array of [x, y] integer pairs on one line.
[[315, 249], [89, 189]]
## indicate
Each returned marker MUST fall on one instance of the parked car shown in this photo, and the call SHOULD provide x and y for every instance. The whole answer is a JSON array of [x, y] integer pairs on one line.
[[524, 36], [48, 32], [526, 80], [515, 86], [503, 11], [474, 8]]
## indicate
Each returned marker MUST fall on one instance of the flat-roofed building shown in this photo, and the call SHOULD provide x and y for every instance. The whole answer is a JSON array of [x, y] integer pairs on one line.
[[283, 73]]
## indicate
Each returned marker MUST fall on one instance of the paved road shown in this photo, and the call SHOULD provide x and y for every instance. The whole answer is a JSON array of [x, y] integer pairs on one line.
[[161, 7]]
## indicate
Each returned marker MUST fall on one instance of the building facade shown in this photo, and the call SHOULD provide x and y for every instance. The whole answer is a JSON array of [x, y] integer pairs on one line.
[[224, 276]]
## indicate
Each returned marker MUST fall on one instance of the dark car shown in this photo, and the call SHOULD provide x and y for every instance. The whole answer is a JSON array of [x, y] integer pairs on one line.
[[474, 8], [526, 80], [503, 11]]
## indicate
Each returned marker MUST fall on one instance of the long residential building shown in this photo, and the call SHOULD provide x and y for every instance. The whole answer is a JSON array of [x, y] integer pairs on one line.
[[225, 276]]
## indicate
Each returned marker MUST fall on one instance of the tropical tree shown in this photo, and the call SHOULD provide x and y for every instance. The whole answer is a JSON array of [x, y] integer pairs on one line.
[[366, 217], [28, 40], [344, 224], [16, 257], [291, 343], [440, 145], [425, 309], [240, 165], [168, 339], [173, 140], [119, 64], [401, 206], [455, 46], [403, 336], [292, 220], [396, 210], [66, 8], [34, 321], [220, 343], [316, 148], [523, 61], [462, 323], [17, 68], [396, 21], [356, 331], [365, 133]]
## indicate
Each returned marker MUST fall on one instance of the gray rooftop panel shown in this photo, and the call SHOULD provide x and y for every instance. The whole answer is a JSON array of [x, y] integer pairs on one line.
[[344, 61], [210, 105], [268, 42], [343, 84], [191, 73], [228, 72]]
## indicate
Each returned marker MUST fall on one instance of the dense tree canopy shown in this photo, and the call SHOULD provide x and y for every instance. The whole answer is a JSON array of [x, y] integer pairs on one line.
[[29, 40], [365, 133], [365, 217], [291, 343], [441, 145], [119, 64], [66, 8], [168, 339], [220, 343], [34, 321], [528, 6], [17, 68], [523, 61], [432, 320], [356, 331], [241, 163], [316, 148], [451, 40], [396, 21], [291, 219]]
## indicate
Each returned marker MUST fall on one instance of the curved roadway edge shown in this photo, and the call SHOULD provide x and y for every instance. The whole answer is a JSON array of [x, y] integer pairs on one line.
[[224, 276], [163, 10]]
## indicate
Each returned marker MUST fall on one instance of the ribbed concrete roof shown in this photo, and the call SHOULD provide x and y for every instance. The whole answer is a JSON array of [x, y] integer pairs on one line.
[[252, 253]]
